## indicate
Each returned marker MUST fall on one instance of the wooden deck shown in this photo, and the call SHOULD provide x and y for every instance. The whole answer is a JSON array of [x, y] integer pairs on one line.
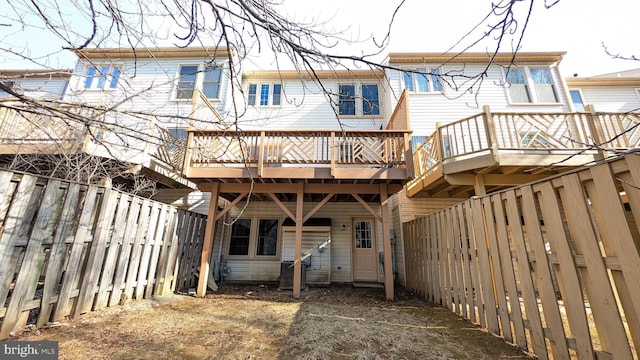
[[492, 151]]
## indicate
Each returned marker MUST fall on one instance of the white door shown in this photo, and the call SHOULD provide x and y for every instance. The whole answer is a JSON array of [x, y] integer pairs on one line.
[[365, 256]]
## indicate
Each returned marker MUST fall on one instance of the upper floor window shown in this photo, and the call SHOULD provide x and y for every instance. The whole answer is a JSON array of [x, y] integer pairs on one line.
[[424, 80], [358, 100], [576, 99], [102, 77], [531, 85], [190, 76], [268, 95]]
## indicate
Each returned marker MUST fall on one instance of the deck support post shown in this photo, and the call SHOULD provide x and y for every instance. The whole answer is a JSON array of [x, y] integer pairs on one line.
[[386, 242], [479, 185], [209, 232], [297, 265]]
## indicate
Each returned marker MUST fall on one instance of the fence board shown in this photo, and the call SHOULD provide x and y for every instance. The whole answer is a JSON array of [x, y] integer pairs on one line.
[[526, 281], [14, 222], [29, 274], [125, 251], [75, 258], [53, 272], [506, 259], [91, 276], [466, 251], [550, 308], [475, 269], [486, 282], [56, 236], [500, 292], [136, 249]]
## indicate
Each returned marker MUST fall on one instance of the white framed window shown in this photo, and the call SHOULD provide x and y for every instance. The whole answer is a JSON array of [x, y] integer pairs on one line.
[[577, 99], [423, 80], [528, 84], [359, 99], [102, 76], [204, 78], [254, 238], [266, 94]]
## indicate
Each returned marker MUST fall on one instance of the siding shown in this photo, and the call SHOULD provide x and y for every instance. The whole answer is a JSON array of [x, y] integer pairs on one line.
[[319, 271], [145, 85], [305, 107], [255, 269], [428, 109], [47, 88], [611, 99]]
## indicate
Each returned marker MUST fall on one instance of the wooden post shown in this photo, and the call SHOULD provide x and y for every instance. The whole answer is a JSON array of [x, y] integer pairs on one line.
[[479, 185], [209, 232], [386, 242], [595, 130], [297, 265], [490, 129]]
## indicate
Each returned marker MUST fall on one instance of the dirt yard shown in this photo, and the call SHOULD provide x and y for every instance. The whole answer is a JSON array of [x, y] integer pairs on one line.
[[260, 322]]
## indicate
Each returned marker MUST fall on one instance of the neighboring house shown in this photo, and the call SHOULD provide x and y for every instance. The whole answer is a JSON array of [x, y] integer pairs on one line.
[[614, 92], [41, 83], [155, 94], [20, 136]]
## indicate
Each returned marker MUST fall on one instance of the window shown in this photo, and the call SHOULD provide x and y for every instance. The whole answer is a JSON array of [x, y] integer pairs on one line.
[[416, 141], [359, 100], [186, 82], [189, 77], [576, 99], [270, 94], [347, 100], [363, 233], [427, 81], [102, 77], [240, 236], [267, 237], [211, 82], [534, 140], [531, 85]]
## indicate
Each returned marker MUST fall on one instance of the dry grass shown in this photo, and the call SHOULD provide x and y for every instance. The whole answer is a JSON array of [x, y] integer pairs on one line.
[[259, 322]]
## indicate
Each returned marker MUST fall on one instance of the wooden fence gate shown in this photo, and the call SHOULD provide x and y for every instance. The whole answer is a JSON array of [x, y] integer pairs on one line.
[[66, 249], [553, 267]]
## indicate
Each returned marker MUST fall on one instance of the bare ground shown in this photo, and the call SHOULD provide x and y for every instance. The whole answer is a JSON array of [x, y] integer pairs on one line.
[[260, 322]]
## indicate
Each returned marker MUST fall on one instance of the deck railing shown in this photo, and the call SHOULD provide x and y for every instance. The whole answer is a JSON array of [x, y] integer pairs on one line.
[[321, 148], [37, 132], [491, 133]]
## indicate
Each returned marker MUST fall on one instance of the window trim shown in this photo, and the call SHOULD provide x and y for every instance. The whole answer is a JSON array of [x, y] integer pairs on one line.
[[255, 99], [359, 100], [530, 86], [253, 240], [199, 81], [96, 78], [429, 80]]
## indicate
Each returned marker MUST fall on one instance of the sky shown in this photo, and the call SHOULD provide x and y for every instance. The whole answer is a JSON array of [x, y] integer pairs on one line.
[[579, 27]]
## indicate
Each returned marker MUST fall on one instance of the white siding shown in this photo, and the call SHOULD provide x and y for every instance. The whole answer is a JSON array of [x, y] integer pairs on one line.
[[42, 87], [319, 270], [428, 109], [252, 268], [306, 107], [611, 98], [145, 85]]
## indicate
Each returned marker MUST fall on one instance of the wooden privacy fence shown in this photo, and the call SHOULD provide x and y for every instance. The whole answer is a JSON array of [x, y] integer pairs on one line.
[[66, 249], [553, 267]]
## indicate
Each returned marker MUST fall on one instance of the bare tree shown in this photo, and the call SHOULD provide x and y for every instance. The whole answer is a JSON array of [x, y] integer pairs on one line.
[[245, 26]]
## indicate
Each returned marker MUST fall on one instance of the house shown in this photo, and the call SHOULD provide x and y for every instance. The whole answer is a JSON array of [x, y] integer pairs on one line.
[[614, 92], [307, 177]]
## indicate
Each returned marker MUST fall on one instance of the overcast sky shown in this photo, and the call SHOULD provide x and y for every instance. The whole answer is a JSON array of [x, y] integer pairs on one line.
[[579, 27]]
